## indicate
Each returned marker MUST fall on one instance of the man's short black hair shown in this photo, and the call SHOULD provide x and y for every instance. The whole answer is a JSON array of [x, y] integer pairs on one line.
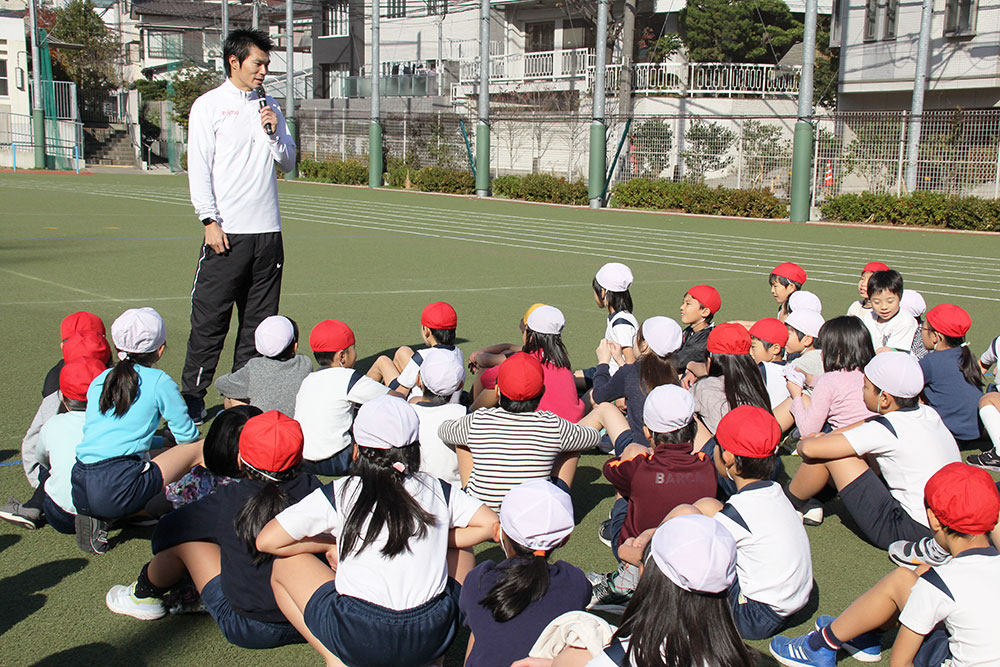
[[239, 42]]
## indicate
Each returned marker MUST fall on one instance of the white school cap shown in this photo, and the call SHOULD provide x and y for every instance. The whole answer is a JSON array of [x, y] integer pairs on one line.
[[662, 334], [896, 373], [537, 514], [667, 408], [614, 277], [804, 300], [546, 320], [913, 303], [273, 335], [696, 553], [808, 322], [385, 422], [137, 331], [441, 371]]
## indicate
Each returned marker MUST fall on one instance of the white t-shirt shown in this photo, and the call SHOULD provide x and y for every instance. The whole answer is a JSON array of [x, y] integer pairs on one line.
[[965, 594], [408, 377], [857, 310], [325, 406], [909, 445], [989, 357], [775, 383], [897, 333], [436, 458], [773, 560], [406, 580], [621, 329]]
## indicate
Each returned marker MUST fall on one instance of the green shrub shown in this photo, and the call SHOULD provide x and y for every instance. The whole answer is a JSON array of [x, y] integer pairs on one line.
[[349, 172], [396, 172], [507, 186], [442, 179], [923, 209], [541, 188], [662, 195]]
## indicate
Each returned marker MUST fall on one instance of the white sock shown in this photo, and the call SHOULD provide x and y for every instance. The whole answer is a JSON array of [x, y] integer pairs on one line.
[[991, 421]]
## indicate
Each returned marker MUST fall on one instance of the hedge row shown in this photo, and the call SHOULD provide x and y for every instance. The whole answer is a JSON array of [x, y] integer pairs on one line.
[[925, 209], [541, 187], [354, 172], [658, 194]]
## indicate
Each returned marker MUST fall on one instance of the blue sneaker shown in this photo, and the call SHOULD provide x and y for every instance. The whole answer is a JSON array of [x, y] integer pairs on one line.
[[795, 652], [865, 648]]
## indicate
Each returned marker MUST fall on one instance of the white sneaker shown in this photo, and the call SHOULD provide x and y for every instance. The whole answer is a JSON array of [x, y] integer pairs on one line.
[[122, 600]]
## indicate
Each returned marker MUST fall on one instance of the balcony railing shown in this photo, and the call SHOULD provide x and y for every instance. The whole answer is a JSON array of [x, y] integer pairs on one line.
[[706, 79], [61, 94], [535, 66], [409, 85]]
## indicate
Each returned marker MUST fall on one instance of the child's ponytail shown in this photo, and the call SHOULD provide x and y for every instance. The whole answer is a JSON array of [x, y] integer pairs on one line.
[[967, 362], [261, 508], [121, 386], [523, 581]]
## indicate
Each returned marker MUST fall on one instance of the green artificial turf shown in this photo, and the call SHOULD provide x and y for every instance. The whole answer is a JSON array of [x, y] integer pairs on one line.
[[374, 259]]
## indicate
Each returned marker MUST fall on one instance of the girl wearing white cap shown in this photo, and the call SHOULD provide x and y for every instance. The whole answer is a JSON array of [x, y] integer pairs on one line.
[[679, 614], [387, 528], [507, 605], [113, 476], [611, 292]]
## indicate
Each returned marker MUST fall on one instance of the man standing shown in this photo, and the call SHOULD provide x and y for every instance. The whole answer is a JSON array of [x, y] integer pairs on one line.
[[234, 141]]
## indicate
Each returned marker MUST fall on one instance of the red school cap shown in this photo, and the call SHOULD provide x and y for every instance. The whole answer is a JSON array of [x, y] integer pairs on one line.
[[790, 270], [80, 321], [521, 377], [331, 336], [707, 296], [749, 431], [87, 344], [271, 442], [76, 376], [439, 315], [728, 338], [874, 267], [963, 498], [950, 320], [770, 330]]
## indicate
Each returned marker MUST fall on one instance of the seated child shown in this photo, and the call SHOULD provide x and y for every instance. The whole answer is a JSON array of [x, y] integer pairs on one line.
[[803, 345], [946, 613], [392, 532], [889, 326], [56, 452], [953, 382], [699, 306], [231, 575], [912, 302], [271, 380], [785, 279], [438, 323], [767, 346], [650, 482], [611, 292], [515, 442], [441, 376], [507, 605], [804, 300], [485, 362], [908, 442], [989, 413], [327, 398], [114, 476], [74, 323], [862, 307]]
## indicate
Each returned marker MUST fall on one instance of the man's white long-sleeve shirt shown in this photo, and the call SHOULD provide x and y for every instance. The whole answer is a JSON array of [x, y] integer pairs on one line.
[[231, 160]]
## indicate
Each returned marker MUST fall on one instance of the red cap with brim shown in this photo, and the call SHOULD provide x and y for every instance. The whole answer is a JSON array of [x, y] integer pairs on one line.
[[749, 431], [707, 296], [729, 338], [331, 336], [439, 315], [81, 321], [963, 498], [875, 266], [76, 376], [87, 344], [521, 377], [770, 330], [271, 442], [790, 270], [950, 320]]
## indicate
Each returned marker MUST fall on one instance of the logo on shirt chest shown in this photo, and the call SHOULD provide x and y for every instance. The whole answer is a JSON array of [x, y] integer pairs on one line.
[[228, 113]]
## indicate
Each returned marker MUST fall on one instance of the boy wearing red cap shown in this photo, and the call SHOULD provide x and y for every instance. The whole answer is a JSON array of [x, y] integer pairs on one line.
[[328, 398], [962, 504], [891, 327], [699, 306], [863, 306], [768, 338], [438, 322], [785, 278], [499, 448]]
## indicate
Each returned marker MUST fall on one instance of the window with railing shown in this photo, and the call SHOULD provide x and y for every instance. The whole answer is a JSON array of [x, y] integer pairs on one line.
[[164, 44], [435, 7], [871, 19], [395, 9], [891, 16], [578, 34], [539, 36], [3, 78], [336, 21], [959, 18]]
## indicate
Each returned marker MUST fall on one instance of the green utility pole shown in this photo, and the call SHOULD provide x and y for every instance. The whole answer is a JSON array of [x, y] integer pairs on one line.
[[802, 147], [37, 113]]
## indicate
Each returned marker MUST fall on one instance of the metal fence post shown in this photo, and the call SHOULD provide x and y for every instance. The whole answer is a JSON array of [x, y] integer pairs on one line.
[[404, 136], [902, 152], [815, 177], [996, 181], [739, 155], [13, 155], [343, 134]]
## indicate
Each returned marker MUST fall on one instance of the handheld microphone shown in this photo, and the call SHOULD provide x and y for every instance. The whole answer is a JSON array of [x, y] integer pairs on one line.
[[262, 102]]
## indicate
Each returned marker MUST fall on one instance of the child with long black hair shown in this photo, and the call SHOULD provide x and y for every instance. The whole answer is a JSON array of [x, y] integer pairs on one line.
[[507, 605], [953, 380], [231, 575], [611, 292], [389, 599], [113, 476]]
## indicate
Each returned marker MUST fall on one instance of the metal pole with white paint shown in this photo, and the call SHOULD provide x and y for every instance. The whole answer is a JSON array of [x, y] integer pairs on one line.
[[375, 126], [598, 126], [919, 86], [483, 125]]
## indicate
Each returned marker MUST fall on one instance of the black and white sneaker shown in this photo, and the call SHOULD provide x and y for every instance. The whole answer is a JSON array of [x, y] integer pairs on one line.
[[26, 517], [925, 551], [91, 534], [987, 460], [812, 513], [605, 595], [604, 533]]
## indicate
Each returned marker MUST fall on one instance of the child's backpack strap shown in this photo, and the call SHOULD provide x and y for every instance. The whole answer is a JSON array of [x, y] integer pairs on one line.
[[616, 652]]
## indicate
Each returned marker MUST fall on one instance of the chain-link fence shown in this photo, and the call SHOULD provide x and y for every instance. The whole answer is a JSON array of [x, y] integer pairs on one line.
[[854, 152]]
